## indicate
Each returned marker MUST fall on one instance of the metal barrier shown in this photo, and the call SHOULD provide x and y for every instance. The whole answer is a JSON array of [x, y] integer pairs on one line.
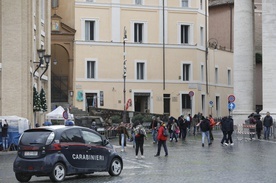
[[111, 131]]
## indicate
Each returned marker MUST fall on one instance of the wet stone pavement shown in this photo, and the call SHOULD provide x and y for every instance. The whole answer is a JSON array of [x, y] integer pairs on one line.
[[247, 161]]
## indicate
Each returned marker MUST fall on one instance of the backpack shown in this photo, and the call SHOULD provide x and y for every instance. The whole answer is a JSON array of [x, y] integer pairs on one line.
[[141, 131], [165, 132]]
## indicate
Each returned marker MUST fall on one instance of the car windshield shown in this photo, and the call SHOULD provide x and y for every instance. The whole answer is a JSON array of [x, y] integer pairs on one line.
[[34, 137]]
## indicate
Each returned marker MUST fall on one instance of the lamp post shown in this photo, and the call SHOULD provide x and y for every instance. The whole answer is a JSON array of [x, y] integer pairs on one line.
[[124, 75], [42, 57]]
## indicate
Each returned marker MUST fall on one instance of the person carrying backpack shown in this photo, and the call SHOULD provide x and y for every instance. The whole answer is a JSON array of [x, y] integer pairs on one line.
[[161, 140], [140, 135]]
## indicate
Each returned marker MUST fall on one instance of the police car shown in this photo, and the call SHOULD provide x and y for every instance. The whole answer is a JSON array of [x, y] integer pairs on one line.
[[57, 151]]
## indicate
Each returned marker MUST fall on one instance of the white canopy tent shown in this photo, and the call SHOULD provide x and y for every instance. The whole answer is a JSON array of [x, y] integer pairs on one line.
[[57, 114]]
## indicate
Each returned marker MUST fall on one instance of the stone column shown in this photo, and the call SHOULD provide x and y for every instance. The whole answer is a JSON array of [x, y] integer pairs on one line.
[[243, 73], [269, 57]]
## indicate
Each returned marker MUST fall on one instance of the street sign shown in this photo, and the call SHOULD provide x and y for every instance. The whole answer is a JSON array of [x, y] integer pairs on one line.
[[211, 103], [231, 98], [191, 93], [231, 106], [65, 115]]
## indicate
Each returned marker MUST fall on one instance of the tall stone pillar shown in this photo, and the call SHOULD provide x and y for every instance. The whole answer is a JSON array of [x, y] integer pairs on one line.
[[269, 57], [243, 73]]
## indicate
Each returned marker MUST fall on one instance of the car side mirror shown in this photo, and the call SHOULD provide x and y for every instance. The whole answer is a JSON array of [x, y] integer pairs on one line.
[[105, 142]]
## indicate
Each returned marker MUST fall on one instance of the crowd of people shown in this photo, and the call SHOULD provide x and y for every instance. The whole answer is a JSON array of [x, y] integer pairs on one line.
[[183, 125]]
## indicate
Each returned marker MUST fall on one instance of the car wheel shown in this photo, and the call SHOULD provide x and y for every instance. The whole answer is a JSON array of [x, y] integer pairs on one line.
[[115, 167], [22, 177], [58, 173]]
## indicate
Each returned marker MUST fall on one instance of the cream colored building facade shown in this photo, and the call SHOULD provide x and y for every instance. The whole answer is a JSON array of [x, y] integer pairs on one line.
[[24, 27], [165, 53]]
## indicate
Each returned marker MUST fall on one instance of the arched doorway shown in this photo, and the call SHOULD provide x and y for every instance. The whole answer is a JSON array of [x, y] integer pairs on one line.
[[60, 74]]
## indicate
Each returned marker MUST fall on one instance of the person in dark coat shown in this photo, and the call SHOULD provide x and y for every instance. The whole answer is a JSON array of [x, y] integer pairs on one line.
[[268, 122], [259, 126], [183, 127], [123, 133], [223, 125], [205, 128], [5, 127], [230, 129]]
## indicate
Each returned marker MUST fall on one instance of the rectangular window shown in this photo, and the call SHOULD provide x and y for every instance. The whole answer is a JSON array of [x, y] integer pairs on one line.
[[138, 32], [229, 76], [186, 101], [201, 36], [203, 104], [201, 4], [184, 34], [184, 3], [202, 73], [216, 75], [140, 71], [217, 104], [186, 72], [91, 69], [89, 30], [166, 102], [139, 2]]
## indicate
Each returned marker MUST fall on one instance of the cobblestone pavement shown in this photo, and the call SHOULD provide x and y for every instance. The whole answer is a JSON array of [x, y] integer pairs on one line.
[[246, 161]]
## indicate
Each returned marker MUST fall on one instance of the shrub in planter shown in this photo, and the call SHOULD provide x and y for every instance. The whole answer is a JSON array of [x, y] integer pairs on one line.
[[147, 118], [138, 117], [116, 119]]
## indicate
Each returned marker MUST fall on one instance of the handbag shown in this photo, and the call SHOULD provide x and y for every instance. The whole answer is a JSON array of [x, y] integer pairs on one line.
[[177, 130]]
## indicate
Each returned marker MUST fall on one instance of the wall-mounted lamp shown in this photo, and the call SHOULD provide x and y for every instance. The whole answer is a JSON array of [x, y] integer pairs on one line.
[[55, 61], [130, 90], [42, 58], [71, 93]]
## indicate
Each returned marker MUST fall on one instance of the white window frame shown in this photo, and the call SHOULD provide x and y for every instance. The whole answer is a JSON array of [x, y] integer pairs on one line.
[[42, 10], [190, 33], [95, 68], [229, 76], [181, 3], [190, 71], [201, 36], [201, 4], [96, 28], [145, 70], [144, 31]]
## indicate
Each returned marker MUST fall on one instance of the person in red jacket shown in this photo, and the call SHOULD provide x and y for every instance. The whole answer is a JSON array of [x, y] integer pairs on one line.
[[161, 140]]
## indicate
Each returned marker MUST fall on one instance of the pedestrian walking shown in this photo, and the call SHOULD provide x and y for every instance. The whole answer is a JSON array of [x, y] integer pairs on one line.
[[153, 127], [140, 135], [259, 125], [268, 122], [5, 127], [230, 129], [223, 127], [162, 140], [183, 127], [194, 123], [174, 129], [251, 120], [205, 128], [132, 138], [188, 121], [212, 124], [123, 134]]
